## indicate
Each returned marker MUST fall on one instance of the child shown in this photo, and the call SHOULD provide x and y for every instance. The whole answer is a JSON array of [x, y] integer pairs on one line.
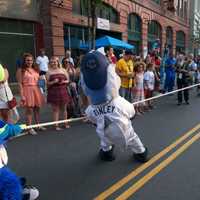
[[149, 83], [138, 90]]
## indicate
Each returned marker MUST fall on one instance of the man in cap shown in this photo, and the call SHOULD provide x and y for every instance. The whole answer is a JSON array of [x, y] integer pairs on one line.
[[124, 69]]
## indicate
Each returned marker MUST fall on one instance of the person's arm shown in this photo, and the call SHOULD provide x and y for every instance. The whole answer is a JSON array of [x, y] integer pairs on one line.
[[67, 78], [6, 76], [122, 74], [19, 80], [49, 83]]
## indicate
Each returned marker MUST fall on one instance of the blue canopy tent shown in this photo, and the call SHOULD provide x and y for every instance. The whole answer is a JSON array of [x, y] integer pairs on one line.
[[109, 41]]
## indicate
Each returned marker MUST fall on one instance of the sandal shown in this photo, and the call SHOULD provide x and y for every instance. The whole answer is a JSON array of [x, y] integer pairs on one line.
[[57, 128], [66, 126]]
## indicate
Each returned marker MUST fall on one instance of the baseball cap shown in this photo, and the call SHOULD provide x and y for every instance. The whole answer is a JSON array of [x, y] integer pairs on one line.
[[94, 69]]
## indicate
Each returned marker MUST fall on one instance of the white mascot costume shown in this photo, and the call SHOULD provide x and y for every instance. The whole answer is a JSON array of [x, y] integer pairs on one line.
[[110, 112]]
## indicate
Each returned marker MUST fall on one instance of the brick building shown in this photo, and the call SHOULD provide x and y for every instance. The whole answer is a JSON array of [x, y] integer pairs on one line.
[[20, 31], [57, 25], [140, 22]]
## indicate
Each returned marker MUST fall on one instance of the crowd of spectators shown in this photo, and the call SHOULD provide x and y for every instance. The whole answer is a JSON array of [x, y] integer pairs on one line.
[[56, 81]]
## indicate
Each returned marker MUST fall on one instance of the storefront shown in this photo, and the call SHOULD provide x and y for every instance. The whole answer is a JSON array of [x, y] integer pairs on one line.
[[76, 38], [16, 35]]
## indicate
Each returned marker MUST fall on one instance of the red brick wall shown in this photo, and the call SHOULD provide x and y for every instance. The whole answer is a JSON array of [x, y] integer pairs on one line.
[[146, 9], [39, 37]]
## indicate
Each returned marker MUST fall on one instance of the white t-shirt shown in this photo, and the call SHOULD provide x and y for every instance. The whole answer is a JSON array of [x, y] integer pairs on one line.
[[43, 62], [149, 79]]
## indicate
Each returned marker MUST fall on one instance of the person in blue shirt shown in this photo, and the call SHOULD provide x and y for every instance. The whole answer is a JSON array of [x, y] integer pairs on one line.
[[170, 73]]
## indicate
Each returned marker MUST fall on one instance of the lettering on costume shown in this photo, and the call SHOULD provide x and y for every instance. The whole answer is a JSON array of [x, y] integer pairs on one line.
[[102, 110]]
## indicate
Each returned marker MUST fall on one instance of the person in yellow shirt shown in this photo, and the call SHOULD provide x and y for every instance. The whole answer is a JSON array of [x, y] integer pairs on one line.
[[124, 68]]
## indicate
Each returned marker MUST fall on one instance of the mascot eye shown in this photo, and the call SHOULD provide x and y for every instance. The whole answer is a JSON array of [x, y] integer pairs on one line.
[[91, 64]]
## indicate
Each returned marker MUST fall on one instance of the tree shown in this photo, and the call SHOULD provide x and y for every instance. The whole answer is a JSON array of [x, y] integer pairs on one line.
[[92, 8]]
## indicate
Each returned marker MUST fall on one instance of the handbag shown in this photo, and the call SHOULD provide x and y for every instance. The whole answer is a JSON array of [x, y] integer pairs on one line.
[[12, 103]]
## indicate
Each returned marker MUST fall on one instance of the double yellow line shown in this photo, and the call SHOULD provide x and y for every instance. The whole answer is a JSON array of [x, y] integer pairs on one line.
[[154, 171]]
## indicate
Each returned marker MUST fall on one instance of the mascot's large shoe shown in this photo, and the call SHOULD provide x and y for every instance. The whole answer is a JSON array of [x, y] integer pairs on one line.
[[107, 155], [141, 157], [28, 192]]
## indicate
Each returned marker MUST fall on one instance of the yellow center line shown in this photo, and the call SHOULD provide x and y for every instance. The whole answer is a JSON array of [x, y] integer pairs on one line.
[[140, 169], [157, 169]]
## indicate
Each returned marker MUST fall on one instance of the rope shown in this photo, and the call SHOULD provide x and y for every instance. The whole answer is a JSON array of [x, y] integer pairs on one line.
[[168, 93], [55, 122], [82, 118]]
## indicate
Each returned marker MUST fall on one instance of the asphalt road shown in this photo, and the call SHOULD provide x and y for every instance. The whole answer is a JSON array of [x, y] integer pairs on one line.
[[64, 165]]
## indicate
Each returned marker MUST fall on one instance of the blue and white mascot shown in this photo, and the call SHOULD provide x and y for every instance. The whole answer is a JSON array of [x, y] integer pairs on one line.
[[111, 113], [11, 186]]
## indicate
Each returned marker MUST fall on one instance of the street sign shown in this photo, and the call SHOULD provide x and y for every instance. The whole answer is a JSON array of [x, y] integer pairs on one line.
[[103, 24]]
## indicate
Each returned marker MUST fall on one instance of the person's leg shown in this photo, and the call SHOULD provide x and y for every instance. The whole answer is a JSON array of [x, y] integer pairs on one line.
[[63, 108], [5, 115], [107, 147], [134, 143], [179, 85], [122, 92], [55, 109], [36, 111], [186, 93], [28, 113]]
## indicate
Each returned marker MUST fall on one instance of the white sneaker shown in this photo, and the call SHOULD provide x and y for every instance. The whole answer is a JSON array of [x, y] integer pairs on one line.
[[32, 132], [30, 193], [41, 128]]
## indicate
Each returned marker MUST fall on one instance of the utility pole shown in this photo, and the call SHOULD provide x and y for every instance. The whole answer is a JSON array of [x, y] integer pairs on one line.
[[92, 8], [94, 22], [88, 19]]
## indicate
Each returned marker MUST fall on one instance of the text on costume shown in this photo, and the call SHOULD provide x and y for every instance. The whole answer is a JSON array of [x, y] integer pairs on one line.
[[102, 110]]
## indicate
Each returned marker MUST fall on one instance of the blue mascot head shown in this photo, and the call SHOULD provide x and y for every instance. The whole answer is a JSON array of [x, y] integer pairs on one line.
[[98, 78]]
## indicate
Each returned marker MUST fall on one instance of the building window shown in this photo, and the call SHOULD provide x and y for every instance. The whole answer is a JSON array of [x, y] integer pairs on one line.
[[154, 34], [169, 37], [103, 10], [134, 31], [180, 41], [75, 38]]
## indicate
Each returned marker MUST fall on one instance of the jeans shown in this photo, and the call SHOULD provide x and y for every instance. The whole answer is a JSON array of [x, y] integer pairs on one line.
[[181, 84], [126, 93]]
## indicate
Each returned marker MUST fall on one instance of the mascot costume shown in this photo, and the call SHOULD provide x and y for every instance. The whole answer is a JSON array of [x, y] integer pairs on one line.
[[108, 111], [11, 186]]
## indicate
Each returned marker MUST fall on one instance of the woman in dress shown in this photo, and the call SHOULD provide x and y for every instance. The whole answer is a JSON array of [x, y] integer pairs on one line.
[[73, 108], [31, 96], [57, 95]]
